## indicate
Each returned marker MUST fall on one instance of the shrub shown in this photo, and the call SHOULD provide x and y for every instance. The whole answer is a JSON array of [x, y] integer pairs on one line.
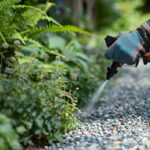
[[40, 80], [8, 136], [41, 110]]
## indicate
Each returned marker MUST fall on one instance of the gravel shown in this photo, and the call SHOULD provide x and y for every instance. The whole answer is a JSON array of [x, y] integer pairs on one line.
[[122, 122]]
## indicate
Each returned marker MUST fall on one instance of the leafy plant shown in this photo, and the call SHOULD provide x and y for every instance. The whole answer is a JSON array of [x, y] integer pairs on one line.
[[38, 107], [58, 29], [33, 93], [42, 73], [32, 17], [8, 136]]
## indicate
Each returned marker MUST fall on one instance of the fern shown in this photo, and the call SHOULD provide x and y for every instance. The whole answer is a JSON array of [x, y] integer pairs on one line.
[[17, 35], [26, 7], [50, 19], [57, 29], [42, 14], [48, 5], [44, 48], [7, 3]]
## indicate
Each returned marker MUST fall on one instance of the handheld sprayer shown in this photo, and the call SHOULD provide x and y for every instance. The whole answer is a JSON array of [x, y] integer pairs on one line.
[[112, 70]]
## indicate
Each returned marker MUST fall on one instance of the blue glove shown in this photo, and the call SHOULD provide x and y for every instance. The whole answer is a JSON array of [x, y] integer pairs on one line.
[[128, 47], [125, 49]]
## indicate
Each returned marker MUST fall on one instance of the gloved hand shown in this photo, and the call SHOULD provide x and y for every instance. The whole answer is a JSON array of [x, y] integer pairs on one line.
[[128, 48]]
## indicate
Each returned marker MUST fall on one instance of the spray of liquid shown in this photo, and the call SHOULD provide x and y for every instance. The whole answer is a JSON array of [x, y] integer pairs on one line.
[[96, 96]]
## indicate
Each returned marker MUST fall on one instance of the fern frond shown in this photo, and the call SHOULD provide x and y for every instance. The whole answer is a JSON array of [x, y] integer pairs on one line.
[[44, 48], [3, 37], [43, 15], [45, 7], [58, 29], [48, 5], [17, 35], [50, 19], [26, 7], [7, 3]]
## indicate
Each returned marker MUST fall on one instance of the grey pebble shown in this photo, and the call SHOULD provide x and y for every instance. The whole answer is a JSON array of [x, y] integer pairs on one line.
[[122, 122]]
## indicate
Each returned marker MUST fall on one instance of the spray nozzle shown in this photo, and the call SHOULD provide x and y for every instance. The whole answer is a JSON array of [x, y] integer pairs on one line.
[[112, 70]]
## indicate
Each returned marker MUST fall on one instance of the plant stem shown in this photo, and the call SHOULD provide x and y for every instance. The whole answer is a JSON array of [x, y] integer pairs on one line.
[[3, 37]]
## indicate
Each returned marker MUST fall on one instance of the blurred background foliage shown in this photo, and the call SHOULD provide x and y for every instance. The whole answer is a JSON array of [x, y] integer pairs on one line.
[[49, 70], [102, 17], [102, 13]]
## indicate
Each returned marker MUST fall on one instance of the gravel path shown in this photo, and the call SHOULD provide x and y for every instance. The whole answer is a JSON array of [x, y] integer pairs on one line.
[[122, 122]]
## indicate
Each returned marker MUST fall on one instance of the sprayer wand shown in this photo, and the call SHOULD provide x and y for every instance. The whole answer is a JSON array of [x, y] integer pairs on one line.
[[112, 70]]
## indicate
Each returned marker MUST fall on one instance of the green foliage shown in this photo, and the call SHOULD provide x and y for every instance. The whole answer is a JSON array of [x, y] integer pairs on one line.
[[145, 6], [106, 13], [8, 137], [38, 107], [128, 8], [34, 93], [129, 16], [6, 3], [75, 55], [34, 14], [58, 29], [31, 16], [42, 73]]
